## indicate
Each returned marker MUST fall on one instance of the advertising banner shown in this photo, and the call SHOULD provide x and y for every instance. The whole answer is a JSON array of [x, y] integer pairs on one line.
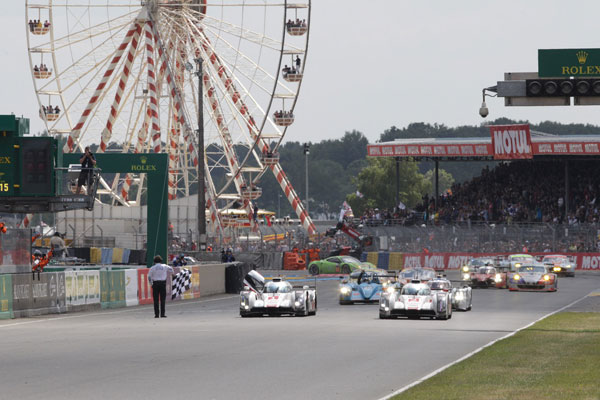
[[131, 287], [112, 289], [6, 297], [584, 261], [38, 296], [430, 150], [144, 288], [511, 142]]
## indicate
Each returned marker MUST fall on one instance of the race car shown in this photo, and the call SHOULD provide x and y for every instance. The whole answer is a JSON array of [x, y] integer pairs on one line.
[[487, 277], [514, 261], [415, 300], [338, 265], [560, 264], [422, 274], [364, 286], [276, 297], [532, 277], [462, 298], [473, 265]]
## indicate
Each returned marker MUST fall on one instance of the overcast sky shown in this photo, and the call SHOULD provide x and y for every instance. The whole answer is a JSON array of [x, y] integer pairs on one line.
[[374, 64]]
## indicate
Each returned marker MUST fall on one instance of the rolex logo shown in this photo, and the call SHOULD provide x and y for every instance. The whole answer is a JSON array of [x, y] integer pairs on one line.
[[143, 159], [581, 56]]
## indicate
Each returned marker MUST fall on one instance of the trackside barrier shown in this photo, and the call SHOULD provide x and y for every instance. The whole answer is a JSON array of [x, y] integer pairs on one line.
[[112, 289], [397, 261], [6, 297], [131, 287], [144, 288], [194, 291], [372, 257], [82, 290], [32, 297], [383, 260], [363, 256], [117, 255]]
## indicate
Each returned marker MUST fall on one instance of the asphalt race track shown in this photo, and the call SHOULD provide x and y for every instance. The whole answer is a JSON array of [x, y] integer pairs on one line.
[[204, 350]]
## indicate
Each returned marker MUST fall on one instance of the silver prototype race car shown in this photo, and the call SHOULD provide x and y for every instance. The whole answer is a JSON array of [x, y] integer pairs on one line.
[[462, 297], [415, 300], [275, 297]]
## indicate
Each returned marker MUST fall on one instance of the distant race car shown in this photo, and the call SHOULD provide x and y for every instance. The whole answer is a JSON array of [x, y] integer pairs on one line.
[[485, 277], [415, 300], [422, 274], [338, 265], [462, 297], [364, 286], [514, 261], [474, 264], [532, 277], [560, 264], [276, 297]]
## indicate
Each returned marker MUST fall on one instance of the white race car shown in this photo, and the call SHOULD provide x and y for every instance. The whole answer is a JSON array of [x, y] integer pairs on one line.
[[276, 297], [462, 297], [415, 300]]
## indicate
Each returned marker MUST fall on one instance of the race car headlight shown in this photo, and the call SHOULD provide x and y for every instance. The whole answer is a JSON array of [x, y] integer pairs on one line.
[[498, 278], [344, 290], [460, 296], [465, 269], [297, 303], [516, 277], [517, 265], [556, 269], [466, 277], [546, 278], [390, 289]]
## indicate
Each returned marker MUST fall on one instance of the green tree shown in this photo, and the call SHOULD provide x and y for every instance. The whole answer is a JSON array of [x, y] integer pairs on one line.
[[446, 181], [377, 184]]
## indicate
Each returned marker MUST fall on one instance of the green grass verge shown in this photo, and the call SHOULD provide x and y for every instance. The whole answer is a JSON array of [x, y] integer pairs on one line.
[[557, 358]]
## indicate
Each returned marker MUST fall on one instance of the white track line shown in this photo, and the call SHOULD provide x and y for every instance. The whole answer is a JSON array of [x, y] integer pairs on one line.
[[90, 314], [437, 371]]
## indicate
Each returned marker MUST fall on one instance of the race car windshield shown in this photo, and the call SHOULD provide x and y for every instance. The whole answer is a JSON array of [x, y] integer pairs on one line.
[[555, 260], [486, 270], [409, 273], [521, 258], [278, 287], [351, 260], [439, 285], [531, 268], [416, 291], [477, 263], [426, 274]]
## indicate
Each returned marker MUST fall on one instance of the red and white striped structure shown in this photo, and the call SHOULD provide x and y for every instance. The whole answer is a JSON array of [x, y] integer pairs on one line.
[[131, 79]]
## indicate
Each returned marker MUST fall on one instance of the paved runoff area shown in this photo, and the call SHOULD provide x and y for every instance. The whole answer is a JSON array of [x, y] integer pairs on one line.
[[204, 350]]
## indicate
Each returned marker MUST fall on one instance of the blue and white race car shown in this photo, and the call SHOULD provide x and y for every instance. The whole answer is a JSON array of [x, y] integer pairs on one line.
[[364, 286]]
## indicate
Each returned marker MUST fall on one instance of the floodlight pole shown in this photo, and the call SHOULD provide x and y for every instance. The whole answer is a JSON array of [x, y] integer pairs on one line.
[[200, 166]]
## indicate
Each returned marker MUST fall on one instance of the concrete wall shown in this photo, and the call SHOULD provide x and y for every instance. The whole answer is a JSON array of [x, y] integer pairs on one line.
[[212, 279]]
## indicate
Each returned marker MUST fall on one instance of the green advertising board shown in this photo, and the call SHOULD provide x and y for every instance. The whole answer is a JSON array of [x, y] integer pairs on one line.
[[6, 297], [554, 63], [112, 289]]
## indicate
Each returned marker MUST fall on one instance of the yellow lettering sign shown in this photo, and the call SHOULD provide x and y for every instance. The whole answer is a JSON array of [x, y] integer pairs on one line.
[[4, 160]]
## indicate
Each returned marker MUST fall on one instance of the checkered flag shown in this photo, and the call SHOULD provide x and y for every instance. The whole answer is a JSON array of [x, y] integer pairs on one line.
[[181, 282]]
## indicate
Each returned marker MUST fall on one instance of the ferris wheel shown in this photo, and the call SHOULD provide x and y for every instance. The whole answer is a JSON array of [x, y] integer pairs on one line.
[[124, 74]]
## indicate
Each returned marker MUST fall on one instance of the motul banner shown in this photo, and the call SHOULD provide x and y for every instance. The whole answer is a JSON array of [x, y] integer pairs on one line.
[[511, 142], [583, 261]]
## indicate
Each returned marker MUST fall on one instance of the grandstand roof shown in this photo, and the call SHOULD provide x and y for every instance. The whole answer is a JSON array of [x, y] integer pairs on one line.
[[480, 148]]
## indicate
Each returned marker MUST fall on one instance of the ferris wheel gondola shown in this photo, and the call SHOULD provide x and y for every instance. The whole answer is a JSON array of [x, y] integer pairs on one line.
[[125, 76]]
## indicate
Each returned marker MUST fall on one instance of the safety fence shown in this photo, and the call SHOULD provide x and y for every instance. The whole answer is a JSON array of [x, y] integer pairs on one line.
[[398, 261], [486, 238], [25, 295], [15, 247]]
